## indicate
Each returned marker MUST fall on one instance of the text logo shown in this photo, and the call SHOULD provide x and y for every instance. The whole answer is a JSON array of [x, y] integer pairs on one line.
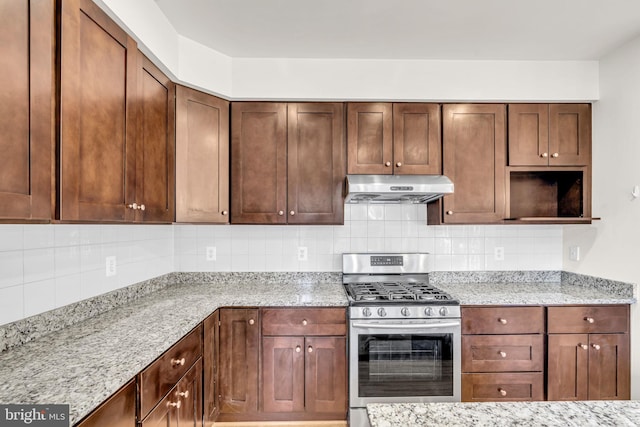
[[34, 415]]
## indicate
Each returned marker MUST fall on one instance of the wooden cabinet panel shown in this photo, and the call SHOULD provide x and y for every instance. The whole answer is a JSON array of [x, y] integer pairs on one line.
[[316, 163], [97, 118], [369, 138], [609, 367], [210, 363], [528, 134], [569, 134], [588, 319], [189, 393], [239, 347], [474, 158], [326, 374], [258, 162], [417, 144], [304, 321], [502, 353], [502, 387], [164, 373], [117, 411], [27, 64], [155, 163], [202, 157], [502, 320], [567, 371], [283, 374]]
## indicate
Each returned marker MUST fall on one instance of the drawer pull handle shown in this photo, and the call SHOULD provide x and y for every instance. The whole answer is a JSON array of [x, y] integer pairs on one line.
[[398, 164], [502, 392], [310, 349], [304, 322], [298, 349], [503, 321], [449, 212], [583, 346], [174, 404], [184, 394], [595, 346], [387, 164], [178, 362], [544, 155], [589, 319], [555, 155], [502, 354], [251, 321]]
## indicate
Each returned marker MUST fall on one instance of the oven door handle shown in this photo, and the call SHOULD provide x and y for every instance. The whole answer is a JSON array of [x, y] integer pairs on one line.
[[405, 326]]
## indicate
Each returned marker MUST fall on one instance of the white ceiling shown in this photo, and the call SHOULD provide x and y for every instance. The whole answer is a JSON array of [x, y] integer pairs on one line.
[[408, 29]]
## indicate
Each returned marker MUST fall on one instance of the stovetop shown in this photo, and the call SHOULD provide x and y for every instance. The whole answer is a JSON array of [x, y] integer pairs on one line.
[[389, 292]]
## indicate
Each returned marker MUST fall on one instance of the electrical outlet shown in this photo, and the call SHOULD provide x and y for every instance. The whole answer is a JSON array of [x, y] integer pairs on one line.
[[498, 253], [211, 253], [110, 266], [574, 253], [302, 253]]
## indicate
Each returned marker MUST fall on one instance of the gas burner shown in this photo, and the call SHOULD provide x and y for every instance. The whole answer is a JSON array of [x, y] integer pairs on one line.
[[395, 292]]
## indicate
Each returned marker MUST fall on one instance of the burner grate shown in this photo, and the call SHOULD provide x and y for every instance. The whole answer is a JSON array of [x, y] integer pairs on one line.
[[396, 292]]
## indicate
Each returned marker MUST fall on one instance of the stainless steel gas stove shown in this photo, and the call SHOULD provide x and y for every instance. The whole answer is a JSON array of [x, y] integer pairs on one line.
[[404, 333]]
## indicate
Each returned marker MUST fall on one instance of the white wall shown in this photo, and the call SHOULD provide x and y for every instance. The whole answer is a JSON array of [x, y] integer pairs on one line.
[[43, 267], [611, 248]]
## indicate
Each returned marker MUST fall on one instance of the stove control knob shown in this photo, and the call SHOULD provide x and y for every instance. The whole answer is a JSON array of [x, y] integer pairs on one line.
[[382, 312], [405, 312], [444, 311], [428, 311], [366, 312]]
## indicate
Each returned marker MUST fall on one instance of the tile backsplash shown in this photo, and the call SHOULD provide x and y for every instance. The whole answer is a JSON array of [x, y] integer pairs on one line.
[[43, 267]]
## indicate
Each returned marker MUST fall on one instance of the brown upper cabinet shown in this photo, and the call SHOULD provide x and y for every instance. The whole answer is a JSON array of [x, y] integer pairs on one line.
[[116, 124], [385, 138], [549, 134], [202, 157], [27, 109], [474, 158], [287, 163]]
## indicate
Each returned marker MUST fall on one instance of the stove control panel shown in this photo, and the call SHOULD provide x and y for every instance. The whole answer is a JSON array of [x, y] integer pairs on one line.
[[377, 260], [394, 311]]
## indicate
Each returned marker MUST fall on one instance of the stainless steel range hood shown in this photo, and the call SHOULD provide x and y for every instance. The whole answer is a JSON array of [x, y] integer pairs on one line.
[[396, 188]]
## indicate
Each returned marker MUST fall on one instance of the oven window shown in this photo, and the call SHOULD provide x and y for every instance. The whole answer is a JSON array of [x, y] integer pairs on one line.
[[405, 365]]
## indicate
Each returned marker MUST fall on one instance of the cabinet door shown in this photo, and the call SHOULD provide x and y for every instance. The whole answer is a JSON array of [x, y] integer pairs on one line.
[[26, 108], [189, 393], [567, 370], [258, 163], [528, 134], [569, 134], [474, 154], [155, 164], [316, 163], [326, 375], [609, 371], [283, 374], [210, 361], [239, 344], [118, 411], [369, 138], [202, 157], [97, 116], [417, 142]]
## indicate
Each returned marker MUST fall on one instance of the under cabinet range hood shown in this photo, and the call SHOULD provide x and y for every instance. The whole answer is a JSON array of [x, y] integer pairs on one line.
[[396, 188]]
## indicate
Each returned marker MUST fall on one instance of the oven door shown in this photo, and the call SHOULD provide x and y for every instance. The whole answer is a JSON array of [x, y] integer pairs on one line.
[[404, 361]]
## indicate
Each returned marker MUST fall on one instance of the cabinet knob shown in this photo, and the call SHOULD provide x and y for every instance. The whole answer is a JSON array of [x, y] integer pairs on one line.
[[225, 213], [398, 164], [251, 321], [502, 392], [178, 362], [449, 212], [503, 321], [292, 213], [280, 213], [502, 354], [583, 346], [387, 164], [589, 319], [310, 349], [304, 322], [555, 155], [184, 394], [298, 349], [174, 404], [595, 346], [133, 206], [544, 155]]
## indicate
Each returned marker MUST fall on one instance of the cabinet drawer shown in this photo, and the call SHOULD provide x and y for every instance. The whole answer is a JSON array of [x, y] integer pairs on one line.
[[304, 321], [588, 319], [164, 373], [502, 320], [502, 387], [502, 353]]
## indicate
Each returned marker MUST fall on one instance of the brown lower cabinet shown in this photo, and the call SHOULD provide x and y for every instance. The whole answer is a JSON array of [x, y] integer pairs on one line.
[[118, 411]]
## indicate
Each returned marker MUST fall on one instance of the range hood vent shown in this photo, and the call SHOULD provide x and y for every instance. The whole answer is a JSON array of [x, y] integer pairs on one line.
[[383, 189]]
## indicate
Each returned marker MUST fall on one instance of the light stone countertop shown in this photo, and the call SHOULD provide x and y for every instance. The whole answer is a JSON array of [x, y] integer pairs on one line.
[[503, 414]]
